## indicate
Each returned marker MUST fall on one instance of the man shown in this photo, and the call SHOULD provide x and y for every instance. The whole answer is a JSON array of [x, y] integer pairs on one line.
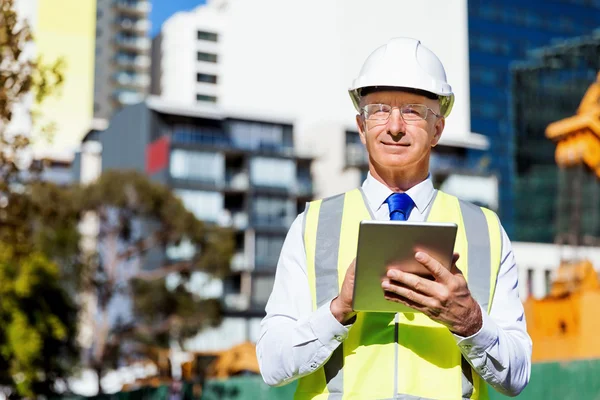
[[466, 334]]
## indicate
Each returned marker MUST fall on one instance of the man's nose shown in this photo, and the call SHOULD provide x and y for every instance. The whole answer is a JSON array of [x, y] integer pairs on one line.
[[396, 124]]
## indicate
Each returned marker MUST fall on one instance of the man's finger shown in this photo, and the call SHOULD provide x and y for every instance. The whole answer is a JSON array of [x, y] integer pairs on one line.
[[408, 294], [413, 281], [396, 298], [438, 271]]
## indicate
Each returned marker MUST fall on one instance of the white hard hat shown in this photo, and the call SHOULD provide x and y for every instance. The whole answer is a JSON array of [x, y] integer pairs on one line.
[[404, 63]]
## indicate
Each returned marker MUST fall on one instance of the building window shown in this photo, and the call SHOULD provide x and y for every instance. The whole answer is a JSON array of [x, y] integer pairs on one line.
[[210, 36], [356, 154], [530, 282], [268, 248], [272, 172], [207, 98], [206, 206], [548, 281], [206, 78], [261, 136], [262, 286], [208, 57], [198, 166], [271, 211]]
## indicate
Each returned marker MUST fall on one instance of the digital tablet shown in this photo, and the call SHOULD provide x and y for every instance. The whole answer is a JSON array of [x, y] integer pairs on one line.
[[393, 244]]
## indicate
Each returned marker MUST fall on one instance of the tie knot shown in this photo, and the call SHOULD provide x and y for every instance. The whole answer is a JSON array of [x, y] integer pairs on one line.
[[400, 205]]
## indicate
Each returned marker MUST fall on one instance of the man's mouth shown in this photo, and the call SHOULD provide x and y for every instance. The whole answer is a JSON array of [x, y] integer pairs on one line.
[[395, 144]]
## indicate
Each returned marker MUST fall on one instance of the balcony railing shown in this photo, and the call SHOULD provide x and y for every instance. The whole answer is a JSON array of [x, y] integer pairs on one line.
[[237, 180], [216, 137], [132, 80], [127, 24], [239, 262], [132, 42], [141, 7], [272, 221], [139, 62], [127, 97]]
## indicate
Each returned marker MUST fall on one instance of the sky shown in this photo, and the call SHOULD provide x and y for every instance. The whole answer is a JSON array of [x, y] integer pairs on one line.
[[163, 9]]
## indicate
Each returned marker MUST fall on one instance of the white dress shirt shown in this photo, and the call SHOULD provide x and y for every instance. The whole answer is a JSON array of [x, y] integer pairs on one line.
[[295, 340]]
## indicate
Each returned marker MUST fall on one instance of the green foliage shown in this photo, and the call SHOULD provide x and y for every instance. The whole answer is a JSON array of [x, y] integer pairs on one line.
[[139, 216], [38, 323], [43, 268], [37, 316]]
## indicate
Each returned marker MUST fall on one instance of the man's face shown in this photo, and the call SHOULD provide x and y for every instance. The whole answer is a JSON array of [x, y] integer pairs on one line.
[[396, 144]]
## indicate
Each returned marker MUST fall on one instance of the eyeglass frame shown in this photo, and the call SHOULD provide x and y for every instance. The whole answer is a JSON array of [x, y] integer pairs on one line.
[[410, 122]]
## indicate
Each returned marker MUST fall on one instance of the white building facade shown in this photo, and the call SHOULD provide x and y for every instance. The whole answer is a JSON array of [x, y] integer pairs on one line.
[[187, 55]]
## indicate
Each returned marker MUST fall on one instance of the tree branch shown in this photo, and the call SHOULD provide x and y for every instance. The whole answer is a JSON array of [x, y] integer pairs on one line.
[[162, 272]]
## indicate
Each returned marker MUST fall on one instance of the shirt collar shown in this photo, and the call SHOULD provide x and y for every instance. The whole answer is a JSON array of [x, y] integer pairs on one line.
[[376, 193]]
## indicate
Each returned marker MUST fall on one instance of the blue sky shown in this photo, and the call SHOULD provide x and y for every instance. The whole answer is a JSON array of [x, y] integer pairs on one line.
[[163, 9]]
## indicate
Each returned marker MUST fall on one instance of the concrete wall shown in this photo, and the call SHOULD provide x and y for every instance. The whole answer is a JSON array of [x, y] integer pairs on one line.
[[124, 141], [539, 261]]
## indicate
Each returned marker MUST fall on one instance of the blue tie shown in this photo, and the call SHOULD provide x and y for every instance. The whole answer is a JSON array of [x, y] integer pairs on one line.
[[400, 205]]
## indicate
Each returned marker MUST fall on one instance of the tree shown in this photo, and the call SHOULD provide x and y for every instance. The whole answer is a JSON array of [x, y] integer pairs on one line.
[[138, 220], [37, 314]]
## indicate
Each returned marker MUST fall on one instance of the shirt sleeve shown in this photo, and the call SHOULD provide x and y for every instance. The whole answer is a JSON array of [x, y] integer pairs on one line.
[[295, 340], [501, 351]]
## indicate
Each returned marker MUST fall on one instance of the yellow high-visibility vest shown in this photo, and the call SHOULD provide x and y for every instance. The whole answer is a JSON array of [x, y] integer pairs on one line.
[[396, 355]]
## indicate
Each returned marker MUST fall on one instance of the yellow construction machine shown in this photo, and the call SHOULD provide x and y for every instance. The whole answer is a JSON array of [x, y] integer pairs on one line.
[[564, 325]]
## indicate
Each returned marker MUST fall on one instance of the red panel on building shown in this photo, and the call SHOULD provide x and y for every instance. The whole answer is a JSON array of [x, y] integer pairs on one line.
[[157, 155]]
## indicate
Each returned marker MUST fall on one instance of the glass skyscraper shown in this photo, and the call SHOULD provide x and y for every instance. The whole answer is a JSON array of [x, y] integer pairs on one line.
[[501, 32]]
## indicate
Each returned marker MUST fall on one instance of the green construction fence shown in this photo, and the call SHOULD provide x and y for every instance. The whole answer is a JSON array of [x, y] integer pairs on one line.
[[561, 381]]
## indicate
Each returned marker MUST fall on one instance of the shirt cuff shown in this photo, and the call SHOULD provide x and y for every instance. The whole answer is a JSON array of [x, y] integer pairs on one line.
[[473, 346], [327, 328]]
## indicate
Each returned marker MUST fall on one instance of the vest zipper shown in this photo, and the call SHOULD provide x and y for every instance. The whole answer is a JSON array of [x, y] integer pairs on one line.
[[396, 350]]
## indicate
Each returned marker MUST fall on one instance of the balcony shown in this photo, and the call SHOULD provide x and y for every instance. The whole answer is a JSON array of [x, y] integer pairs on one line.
[[138, 62], [272, 221], [236, 301], [132, 80], [235, 219], [237, 181], [125, 97], [132, 25], [133, 43], [239, 262], [216, 137], [134, 7]]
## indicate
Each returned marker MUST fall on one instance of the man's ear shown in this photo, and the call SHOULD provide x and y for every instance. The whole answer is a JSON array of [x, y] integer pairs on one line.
[[361, 129], [438, 129]]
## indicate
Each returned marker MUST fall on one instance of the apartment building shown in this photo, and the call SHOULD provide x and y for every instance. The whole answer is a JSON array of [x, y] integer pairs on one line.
[[122, 55], [187, 54], [228, 169]]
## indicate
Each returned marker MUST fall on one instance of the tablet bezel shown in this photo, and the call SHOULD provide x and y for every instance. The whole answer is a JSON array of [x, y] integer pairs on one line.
[[376, 246]]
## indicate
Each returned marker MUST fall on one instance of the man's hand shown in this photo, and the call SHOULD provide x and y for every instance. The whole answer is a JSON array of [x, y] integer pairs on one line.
[[341, 306], [446, 299]]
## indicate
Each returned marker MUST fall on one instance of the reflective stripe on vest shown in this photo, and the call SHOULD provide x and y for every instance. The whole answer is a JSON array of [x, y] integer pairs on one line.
[[390, 355]]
